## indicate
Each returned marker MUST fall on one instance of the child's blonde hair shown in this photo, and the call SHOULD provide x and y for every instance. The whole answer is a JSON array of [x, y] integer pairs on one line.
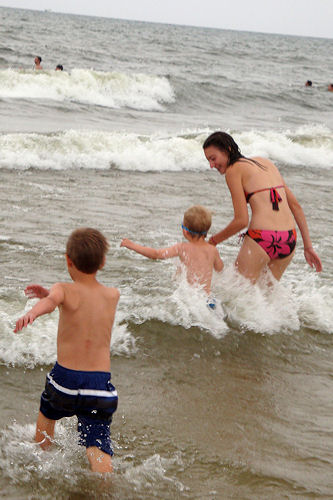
[[198, 220]]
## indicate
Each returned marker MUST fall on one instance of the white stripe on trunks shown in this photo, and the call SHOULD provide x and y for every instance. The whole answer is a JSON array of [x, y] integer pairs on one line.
[[82, 392]]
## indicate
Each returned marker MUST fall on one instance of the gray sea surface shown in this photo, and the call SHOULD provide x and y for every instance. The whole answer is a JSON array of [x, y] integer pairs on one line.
[[235, 403]]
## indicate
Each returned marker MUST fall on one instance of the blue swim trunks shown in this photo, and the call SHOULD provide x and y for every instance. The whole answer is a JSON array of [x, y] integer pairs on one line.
[[211, 303], [88, 395]]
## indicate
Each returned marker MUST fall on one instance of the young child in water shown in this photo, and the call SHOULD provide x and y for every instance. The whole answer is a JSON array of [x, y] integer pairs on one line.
[[80, 381], [198, 256]]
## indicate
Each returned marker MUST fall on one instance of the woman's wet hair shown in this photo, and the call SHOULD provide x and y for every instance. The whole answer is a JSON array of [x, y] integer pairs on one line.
[[225, 143]]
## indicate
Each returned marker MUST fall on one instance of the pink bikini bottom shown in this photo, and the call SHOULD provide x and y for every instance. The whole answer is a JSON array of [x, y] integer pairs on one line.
[[277, 244]]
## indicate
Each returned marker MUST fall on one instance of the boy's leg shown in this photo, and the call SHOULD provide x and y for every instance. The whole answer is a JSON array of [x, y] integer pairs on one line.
[[44, 431], [99, 460]]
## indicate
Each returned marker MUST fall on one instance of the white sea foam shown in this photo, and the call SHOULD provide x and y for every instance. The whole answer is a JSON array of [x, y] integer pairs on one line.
[[310, 146], [269, 307], [24, 462], [300, 300], [314, 302], [94, 149], [100, 150], [181, 305], [110, 89], [153, 470], [37, 344]]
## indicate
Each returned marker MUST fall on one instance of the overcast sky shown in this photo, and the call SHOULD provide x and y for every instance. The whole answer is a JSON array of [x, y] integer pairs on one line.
[[294, 17]]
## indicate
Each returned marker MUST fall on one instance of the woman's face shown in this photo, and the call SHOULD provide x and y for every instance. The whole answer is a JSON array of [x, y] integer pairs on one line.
[[217, 159]]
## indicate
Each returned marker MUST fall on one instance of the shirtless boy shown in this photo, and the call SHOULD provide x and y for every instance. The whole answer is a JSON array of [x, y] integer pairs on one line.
[[198, 256], [80, 381]]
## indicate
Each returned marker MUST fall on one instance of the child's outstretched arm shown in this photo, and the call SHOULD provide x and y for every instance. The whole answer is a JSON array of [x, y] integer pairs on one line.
[[44, 306], [36, 291], [152, 253]]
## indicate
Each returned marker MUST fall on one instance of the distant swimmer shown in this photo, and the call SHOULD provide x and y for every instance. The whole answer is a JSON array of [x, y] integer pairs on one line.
[[330, 87], [38, 61], [308, 83], [59, 67]]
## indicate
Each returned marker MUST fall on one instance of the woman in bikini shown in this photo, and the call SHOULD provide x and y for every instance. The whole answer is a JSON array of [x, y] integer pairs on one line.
[[271, 237]]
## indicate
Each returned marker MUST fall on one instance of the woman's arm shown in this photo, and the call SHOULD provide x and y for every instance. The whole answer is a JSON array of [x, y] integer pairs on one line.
[[218, 262], [241, 216], [310, 255]]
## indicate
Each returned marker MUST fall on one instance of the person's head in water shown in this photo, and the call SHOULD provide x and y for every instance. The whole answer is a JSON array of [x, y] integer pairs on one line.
[[308, 83], [59, 67], [221, 151], [330, 87], [38, 61]]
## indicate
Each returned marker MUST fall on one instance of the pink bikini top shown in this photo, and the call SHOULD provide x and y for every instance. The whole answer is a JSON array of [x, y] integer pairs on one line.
[[275, 197]]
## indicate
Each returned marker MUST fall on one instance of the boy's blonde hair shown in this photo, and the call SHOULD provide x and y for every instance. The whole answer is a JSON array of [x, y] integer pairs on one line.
[[198, 219], [86, 247]]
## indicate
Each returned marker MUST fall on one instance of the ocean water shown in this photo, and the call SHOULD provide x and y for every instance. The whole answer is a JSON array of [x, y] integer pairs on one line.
[[211, 406]]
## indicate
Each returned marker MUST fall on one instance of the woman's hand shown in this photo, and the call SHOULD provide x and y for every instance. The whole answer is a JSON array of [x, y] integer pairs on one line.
[[312, 259]]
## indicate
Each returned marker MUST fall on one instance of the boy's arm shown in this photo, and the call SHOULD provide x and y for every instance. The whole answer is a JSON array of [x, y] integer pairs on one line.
[[36, 291], [152, 253], [218, 262], [44, 306]]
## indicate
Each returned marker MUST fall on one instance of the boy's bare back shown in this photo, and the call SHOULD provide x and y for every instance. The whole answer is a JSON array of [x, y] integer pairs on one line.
[[86, 308], [200, 258], [86, 316]]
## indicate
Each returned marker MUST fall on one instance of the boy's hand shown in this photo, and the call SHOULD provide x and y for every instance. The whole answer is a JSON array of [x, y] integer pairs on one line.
[[126, 243], [36, 292], [25, 320]]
